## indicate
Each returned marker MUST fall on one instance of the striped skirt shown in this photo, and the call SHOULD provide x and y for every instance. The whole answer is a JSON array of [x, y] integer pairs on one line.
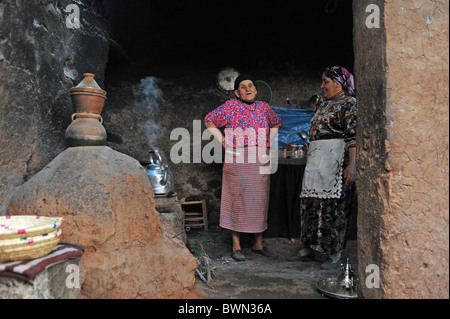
[[245, 190]]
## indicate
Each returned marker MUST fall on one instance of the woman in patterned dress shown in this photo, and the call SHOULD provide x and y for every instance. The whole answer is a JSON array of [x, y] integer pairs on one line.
[[249, 125], [327, 201]]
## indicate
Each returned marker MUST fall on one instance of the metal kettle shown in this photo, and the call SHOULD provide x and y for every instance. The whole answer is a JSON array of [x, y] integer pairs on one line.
[[161, 178]]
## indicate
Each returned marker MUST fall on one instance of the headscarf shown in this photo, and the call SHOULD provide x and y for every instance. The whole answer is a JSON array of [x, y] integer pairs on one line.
[[243, 77], [341, 76]]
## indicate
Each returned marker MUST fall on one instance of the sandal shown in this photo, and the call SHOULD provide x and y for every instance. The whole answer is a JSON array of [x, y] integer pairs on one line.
[[238, 255], [263, 252]]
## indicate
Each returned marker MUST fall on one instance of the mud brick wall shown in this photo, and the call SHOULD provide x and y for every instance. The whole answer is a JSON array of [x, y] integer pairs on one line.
[[402, 82]]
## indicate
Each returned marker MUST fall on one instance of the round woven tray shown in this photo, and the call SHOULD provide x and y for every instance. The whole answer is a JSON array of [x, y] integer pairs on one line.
[[27, 226], [28, 247]]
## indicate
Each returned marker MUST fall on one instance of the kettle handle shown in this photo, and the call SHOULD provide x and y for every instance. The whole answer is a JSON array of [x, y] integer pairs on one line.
[[159, 160], [164, 179]]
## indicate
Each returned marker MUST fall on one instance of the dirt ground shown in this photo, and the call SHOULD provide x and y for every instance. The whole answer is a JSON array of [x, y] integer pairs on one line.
[[258, 277]]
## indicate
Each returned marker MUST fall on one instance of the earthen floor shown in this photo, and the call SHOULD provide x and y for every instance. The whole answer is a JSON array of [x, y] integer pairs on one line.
[[259, 277]]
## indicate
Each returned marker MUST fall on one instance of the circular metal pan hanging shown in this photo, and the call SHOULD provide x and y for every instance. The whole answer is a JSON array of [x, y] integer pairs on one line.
[[264, 91], [225, 79]]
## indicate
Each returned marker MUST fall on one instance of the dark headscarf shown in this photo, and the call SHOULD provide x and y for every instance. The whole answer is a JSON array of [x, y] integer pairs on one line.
[[242, 77], [341, 76]]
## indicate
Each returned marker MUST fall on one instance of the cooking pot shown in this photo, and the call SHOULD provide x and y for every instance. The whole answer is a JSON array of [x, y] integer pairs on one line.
[[161, 178], [86, 129]]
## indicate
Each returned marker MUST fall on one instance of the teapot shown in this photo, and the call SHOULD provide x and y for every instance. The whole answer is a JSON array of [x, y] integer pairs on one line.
[[161, 178], [347, 278]]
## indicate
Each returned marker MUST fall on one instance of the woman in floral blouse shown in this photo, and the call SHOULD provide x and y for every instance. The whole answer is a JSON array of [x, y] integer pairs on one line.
[[328, 189], [250, 126]]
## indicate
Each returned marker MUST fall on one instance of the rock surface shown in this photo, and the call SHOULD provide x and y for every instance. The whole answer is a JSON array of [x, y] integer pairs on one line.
[[171, 216], [49, 284], [108, 208], [40, 60]]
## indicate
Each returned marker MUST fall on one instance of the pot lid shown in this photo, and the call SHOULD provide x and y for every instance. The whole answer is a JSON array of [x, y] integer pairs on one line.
[[225, 79], [88, 84]]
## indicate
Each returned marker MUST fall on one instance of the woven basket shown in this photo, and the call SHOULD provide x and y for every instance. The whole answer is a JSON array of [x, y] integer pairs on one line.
[[27, 226], [28, 247]]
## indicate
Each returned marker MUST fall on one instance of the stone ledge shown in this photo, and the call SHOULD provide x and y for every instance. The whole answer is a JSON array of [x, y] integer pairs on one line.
[[49, 284]]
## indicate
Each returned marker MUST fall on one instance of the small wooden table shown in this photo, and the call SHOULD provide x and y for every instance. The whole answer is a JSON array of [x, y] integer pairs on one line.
[[195, 213]]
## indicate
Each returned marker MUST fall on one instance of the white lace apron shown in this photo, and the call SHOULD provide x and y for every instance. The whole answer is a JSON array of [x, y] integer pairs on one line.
[[323, 170]]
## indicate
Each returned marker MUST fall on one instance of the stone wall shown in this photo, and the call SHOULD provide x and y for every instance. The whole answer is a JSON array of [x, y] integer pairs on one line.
[[402, 86], [40, 60], [48, 284]]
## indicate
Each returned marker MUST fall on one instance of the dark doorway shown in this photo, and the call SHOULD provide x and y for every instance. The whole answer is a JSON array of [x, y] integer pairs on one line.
[[250, 35], [189, 42]]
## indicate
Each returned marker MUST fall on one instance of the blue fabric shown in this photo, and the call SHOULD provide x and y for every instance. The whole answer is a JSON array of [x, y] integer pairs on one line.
[[294, 120]]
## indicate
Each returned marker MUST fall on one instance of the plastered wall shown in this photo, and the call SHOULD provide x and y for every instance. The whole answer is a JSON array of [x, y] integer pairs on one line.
[[402, 71]]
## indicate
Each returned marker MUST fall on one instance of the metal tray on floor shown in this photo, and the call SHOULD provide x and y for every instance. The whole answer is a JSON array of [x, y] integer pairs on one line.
[[331, 287]]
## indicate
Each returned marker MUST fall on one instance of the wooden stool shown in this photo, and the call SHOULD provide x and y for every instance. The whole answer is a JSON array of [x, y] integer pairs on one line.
[[193, 218]]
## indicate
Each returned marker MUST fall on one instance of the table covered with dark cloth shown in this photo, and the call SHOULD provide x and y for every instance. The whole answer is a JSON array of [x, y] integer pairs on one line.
[[284, 202]]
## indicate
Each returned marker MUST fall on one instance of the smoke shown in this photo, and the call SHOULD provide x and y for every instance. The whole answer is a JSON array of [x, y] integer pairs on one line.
[[148, 97]]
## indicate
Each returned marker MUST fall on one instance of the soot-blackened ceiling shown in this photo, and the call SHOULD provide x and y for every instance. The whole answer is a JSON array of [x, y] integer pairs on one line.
[[316, 33]]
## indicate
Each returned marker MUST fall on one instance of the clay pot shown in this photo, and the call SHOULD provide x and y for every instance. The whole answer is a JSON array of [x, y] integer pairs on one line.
[[86, 129], [87, 96]]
